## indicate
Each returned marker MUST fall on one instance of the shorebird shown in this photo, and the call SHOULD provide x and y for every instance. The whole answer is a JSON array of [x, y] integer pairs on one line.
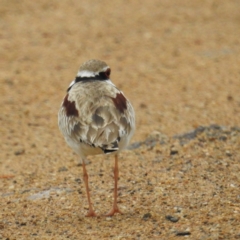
[[96, 118]]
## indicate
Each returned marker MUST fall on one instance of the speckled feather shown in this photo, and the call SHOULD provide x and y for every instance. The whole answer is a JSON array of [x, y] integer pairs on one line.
[[95, 116]]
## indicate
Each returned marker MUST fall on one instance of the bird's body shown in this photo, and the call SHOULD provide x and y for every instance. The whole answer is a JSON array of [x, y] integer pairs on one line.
[[95, 117]]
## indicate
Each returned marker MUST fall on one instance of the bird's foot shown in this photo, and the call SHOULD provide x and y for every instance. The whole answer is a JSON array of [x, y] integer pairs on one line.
[[113, 211], [91, 213]]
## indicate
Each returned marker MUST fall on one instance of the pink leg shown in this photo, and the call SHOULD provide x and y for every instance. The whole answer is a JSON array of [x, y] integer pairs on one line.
[[91, 212], [115, 208]]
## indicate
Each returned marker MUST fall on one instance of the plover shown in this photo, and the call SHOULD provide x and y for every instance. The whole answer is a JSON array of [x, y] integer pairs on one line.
[[96, 118]]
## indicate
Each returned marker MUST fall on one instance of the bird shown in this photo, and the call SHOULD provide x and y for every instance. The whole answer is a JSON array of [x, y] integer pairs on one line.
[[95, 118]]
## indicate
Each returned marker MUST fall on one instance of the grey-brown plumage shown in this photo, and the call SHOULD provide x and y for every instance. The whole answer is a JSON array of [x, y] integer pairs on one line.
[[95, 116]]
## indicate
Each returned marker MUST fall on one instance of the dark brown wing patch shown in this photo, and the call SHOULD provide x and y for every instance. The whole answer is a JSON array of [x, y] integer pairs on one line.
[[120, 102], [70, 107]]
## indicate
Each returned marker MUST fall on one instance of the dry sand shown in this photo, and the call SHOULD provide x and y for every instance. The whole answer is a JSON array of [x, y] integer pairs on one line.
[[178, 62]]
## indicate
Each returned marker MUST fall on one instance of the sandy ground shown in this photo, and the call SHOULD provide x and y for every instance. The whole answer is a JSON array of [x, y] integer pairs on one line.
[[178, 62]]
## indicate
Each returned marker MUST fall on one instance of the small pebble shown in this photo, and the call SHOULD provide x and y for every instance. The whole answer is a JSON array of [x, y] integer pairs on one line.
[[19, 152], [62, 169], [173, 152], [228, 153], [78, 180], [146, 216], [172, 218], [223, 138], [178, 209], [183, 233]]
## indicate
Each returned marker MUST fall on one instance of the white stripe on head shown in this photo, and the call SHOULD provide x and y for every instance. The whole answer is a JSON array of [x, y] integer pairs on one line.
[[85, 73]]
